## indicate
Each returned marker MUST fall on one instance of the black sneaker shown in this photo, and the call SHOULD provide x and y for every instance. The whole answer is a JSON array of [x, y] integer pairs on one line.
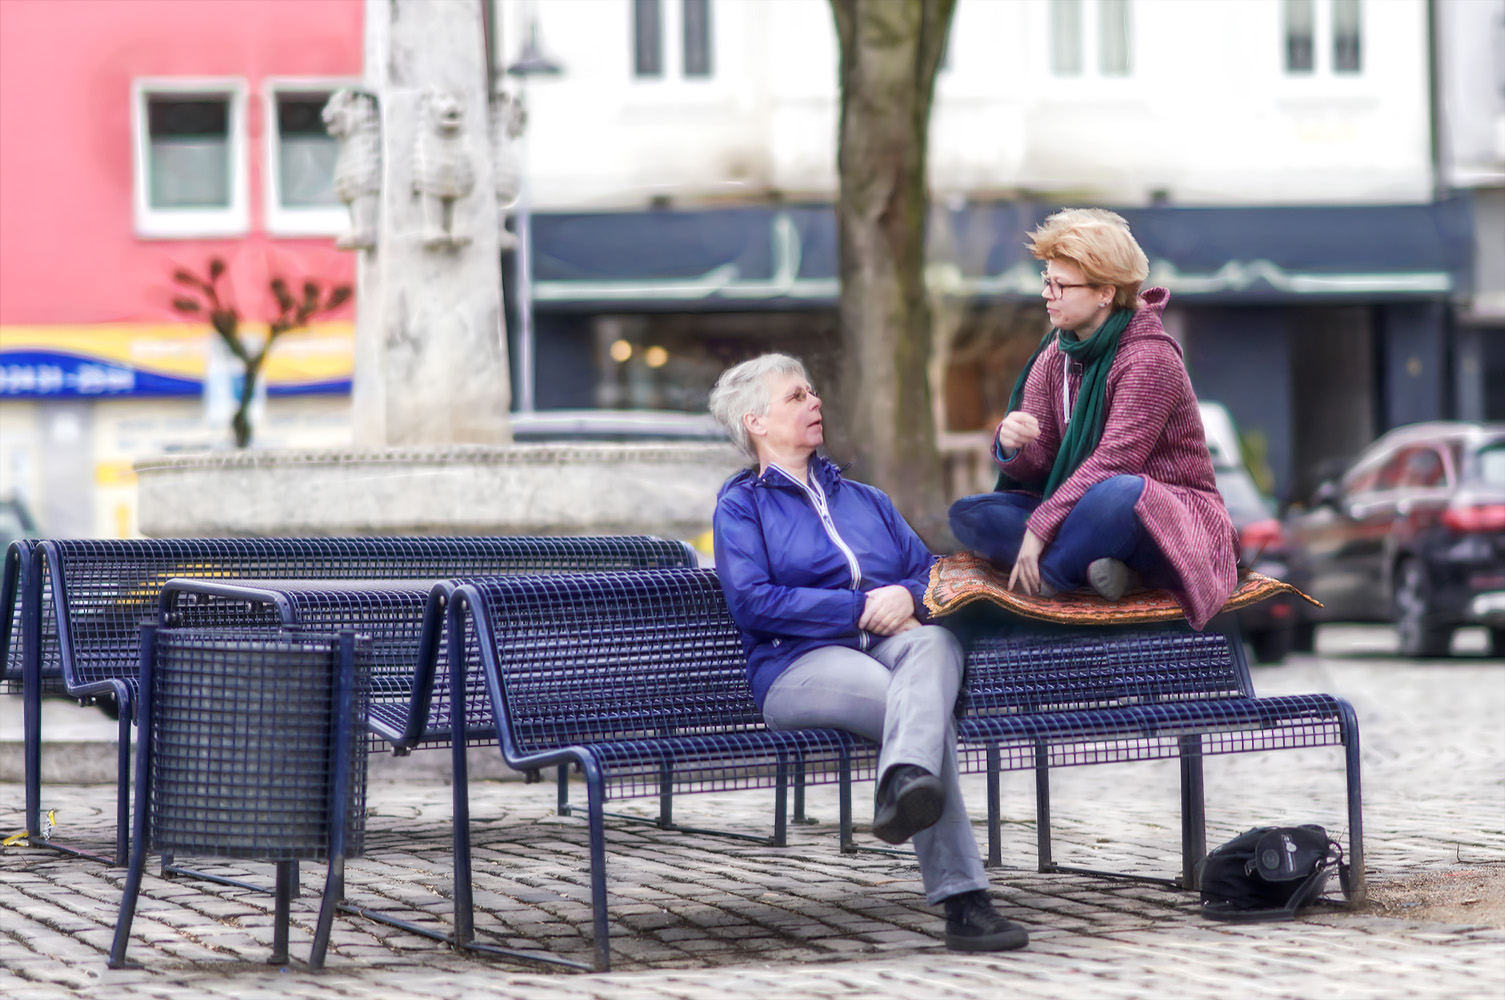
[[973, 925], [909, 800]]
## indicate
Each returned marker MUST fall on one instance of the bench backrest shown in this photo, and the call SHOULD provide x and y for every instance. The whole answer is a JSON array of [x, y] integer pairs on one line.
[[102, 590], [610, 656], [1038, 670], [391, 613], [19, 555], [403, 619]]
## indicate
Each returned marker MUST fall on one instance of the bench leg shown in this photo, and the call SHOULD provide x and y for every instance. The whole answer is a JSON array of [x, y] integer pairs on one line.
[[31, 694], [564, 789], [1356, 888], [666, 797], [799, 792], [597, 824], [844, 786], [339, 797], [286, 873], [781, 805], [123, 785], [334, 891], [128, 906], [143, 791], [1193, 811], [465, 931], [995, 809], [1042, 806]]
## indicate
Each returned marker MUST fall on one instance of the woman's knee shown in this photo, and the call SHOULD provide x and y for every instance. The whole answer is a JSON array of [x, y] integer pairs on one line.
[[936, 648], [1115, 491], [991, 521]]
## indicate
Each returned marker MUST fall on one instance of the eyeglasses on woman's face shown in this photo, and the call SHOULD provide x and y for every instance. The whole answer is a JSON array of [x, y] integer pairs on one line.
[[801, 394], [1055, 287]]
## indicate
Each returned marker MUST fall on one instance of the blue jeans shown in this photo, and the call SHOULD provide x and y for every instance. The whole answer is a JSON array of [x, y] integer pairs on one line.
[[1102, 525]]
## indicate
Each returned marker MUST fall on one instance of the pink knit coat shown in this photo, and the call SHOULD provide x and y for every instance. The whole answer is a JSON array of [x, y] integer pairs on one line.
[[1154, 430]]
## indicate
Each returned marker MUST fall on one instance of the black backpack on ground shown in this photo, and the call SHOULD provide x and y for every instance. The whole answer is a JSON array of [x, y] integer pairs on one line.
[[1269, 873]]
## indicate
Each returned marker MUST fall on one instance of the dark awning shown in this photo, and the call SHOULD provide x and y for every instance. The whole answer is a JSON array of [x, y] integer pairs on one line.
[[784, 257]]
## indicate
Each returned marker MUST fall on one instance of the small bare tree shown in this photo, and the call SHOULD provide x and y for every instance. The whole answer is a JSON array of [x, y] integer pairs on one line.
[[293, 313]]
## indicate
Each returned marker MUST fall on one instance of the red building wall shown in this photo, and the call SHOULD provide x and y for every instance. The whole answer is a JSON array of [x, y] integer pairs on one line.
[[69, 255]]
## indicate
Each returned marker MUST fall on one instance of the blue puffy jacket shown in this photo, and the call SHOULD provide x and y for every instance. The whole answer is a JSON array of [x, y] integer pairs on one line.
[[795, 582]]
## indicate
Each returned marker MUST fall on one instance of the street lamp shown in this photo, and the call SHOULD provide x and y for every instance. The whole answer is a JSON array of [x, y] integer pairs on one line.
[[530, 62]]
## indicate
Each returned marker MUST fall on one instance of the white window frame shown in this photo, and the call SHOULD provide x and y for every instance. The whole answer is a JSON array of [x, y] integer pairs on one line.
[[190, 223], [1324, 53], [672, 50], [281, 221], [1090, 43]]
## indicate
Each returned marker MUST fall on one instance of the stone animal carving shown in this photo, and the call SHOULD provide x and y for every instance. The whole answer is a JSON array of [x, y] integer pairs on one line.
[[443, 169], [350, 116], [507, 120]]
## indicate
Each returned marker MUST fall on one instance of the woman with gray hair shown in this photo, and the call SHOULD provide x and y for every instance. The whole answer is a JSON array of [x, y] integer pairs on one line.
[[825, 581]]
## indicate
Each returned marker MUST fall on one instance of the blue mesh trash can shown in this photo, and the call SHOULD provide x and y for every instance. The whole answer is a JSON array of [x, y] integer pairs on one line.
[[251, 744]]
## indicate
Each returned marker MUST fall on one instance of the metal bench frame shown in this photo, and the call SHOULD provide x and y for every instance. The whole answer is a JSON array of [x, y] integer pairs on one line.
[[1033, 701], [639, 634], [343, 700], [54, 584], [1155, 693]]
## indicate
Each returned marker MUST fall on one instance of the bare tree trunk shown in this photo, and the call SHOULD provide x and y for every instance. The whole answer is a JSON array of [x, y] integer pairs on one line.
[[889, 53]]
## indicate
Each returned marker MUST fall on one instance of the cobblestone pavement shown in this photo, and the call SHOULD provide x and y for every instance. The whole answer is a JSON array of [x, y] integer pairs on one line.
[[699, 916]]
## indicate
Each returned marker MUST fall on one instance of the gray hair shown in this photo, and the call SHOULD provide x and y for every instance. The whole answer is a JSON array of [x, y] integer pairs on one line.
[[742, 389]]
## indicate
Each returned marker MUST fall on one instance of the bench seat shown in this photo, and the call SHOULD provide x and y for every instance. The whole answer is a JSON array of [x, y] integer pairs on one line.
[[639, 681]]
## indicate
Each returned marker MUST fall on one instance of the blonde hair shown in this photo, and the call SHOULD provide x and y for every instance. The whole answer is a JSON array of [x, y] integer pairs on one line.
[[1099, 242], [742, 389]]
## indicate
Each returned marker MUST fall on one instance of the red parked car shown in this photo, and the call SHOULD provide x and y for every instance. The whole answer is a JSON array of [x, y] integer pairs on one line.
[[1413, 533]]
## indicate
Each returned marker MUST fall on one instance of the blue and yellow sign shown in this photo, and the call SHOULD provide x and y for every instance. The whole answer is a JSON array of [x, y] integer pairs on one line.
[[113, 360]]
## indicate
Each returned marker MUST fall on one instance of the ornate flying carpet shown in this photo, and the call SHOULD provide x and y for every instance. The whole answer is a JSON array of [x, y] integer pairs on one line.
[[961, 579]]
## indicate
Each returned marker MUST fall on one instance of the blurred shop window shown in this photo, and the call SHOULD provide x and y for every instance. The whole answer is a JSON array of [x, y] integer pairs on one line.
[[647, 38], [1113, 37], [300, 158], [697, 34], [1078, 40], [1066, 37], [1303, 21], [190, 171], [1347, 36], [1300, 34], [690, 21]]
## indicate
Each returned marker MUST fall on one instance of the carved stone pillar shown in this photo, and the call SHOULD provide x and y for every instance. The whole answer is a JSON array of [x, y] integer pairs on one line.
[[431, 352]]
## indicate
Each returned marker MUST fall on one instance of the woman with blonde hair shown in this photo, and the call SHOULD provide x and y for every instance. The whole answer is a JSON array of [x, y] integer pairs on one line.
[[1105, 478]]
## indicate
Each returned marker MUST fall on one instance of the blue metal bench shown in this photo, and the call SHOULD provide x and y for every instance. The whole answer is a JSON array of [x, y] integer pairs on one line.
[[80, 603], [639, 681], [1036, 699]]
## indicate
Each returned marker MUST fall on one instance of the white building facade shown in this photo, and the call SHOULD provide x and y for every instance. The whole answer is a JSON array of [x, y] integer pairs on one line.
[[1235, 102], [1283, 162]]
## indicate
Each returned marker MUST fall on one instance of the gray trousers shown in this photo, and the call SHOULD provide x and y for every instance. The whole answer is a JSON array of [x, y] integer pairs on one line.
[[901, 694]]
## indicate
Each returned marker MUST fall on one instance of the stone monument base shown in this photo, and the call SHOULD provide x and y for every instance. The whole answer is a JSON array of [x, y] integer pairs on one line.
[[664, 489]]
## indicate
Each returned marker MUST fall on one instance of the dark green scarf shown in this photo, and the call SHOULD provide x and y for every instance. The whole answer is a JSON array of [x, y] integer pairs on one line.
[[1090, 413]]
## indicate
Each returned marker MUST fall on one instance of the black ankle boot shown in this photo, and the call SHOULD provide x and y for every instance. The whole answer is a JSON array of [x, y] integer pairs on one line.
[[973, 925], [909, 800]]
